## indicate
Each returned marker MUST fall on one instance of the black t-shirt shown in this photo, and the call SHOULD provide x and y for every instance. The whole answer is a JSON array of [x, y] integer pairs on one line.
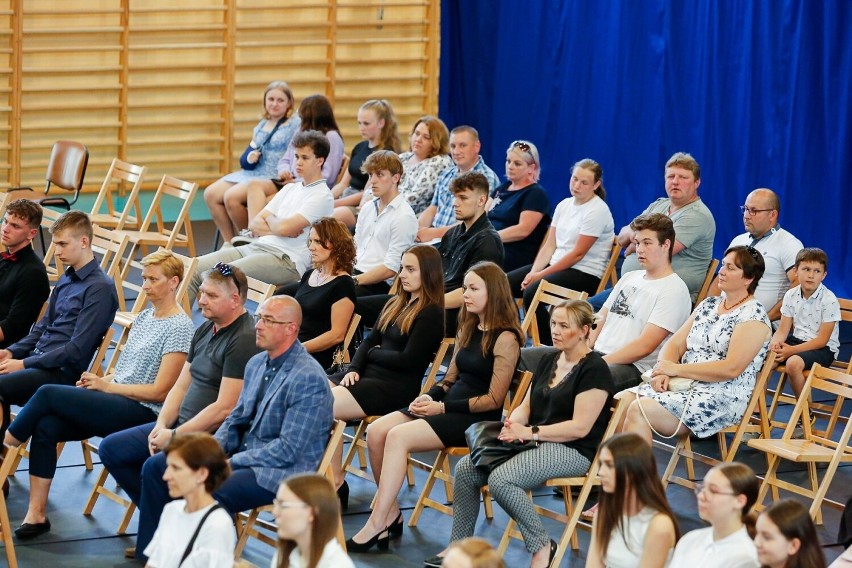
[[550, 406], [316, 303], [356, 160], [460, 249]]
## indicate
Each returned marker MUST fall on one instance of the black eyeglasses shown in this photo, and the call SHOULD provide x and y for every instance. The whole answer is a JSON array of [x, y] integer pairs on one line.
[[755, 254], [751, 211], [269, 321], [524, 146], [227, 271]]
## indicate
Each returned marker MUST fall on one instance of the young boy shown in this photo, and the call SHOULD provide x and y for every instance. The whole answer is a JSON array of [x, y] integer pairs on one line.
[[811, 310]]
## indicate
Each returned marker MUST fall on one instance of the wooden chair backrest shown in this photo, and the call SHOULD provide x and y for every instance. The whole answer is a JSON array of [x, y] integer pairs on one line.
[[552, 295], [708, 279], [610, 275], [119, 175], [176, 189]]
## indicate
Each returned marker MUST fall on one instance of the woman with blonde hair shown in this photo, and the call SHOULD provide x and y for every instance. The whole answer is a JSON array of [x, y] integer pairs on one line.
[[307, 513], [269, 141], [487, 348]]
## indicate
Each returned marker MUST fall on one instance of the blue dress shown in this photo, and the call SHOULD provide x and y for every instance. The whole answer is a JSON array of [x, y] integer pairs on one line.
[[272, 151]]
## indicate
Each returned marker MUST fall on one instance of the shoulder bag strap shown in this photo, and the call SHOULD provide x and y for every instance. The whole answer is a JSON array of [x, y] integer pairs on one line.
[[189, 546]]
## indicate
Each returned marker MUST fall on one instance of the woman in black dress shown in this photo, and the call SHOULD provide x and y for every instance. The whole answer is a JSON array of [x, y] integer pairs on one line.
[[486, 353], [327, 292], [387, 370]]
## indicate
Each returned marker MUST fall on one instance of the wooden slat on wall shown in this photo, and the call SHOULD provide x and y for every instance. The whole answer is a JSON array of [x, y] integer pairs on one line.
[[177, 86]]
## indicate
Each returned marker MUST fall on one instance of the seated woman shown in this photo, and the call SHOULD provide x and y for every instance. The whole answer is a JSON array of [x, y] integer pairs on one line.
[[327, 291], [387, 369], [521, 211], [634, 525], [566, 410], [147, 369], [196, 467], [271, 142], [721, 346], [786, 537], [377, 125], [486, 353], [245, 202], [578, 244], [307, 513], [725, 500]]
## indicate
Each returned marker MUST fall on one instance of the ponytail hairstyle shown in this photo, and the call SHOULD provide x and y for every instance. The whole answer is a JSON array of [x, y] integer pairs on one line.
[[389, 137], [743, 482], [595, 168]]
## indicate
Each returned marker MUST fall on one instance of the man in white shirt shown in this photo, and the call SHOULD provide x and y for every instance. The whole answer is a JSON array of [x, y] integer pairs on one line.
[[645, 307], [386, 226], [280, 254], [778, 247]]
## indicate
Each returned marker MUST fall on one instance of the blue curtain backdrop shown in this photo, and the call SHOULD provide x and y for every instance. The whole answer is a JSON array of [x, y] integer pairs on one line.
[[758, 91]]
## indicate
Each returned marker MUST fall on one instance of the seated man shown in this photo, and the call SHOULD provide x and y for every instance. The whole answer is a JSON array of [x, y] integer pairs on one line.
[[440, 216], [23, 279], [386, 226], [205, 392], [280, 254], [645, 308], [778, 247], [280, 425], [81, 308], [472, 240]]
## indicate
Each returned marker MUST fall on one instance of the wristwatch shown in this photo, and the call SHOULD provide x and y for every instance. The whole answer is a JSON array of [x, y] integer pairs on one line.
[[535, 434]]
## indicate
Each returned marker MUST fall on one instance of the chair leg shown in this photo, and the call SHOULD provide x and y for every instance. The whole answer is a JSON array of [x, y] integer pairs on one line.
[[93, 496]]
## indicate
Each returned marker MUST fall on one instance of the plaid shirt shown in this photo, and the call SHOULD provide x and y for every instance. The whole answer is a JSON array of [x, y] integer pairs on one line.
[[443, 198]]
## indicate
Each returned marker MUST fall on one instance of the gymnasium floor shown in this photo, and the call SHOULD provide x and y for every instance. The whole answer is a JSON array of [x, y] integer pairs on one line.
[[76, 541]]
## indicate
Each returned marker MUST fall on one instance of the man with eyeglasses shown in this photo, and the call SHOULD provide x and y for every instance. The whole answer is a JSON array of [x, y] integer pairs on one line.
[[778, 247], [205, 393]]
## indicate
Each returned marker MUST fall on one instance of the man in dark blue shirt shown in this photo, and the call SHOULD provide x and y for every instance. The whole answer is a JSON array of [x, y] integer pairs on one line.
[[81, 308]]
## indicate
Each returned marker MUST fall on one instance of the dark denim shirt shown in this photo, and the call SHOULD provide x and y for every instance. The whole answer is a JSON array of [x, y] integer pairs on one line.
[[81, 308]]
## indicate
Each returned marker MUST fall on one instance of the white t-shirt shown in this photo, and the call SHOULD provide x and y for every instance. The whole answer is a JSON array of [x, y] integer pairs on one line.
[[779, 250], [214, 547], [333, 556], [381, 238], [808, 315], [697, 549], [313, 202], [592, 219], [636, 301]]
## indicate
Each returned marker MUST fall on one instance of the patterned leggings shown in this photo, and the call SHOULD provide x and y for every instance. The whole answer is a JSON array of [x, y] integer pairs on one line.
[[509, 484]]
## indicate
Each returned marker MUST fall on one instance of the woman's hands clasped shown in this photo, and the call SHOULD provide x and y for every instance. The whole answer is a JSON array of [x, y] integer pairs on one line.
[[423, 405], [91, 381], [661, 373], [514, 432]]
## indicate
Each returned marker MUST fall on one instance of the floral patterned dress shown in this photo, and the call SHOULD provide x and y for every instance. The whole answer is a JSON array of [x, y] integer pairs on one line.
[[713, 406], [418, 181]]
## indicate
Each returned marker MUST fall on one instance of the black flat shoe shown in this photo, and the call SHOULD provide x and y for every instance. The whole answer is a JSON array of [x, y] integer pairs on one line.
[[434, 562], [382, 540], [31, 530], [395, 528], [343, 495], [553, 548]]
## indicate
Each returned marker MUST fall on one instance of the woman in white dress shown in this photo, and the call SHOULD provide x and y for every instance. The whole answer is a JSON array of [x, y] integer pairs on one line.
[[194, 530], [634, 525], [307, 512]]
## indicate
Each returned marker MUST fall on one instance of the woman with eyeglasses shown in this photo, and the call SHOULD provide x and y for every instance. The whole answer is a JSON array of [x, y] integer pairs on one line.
[[786, 537], [721, 347], [578, 244], [132, 395], [307, 513], [521, 210], [326, 292], [269, 139], [634, 525], [725, 499], [194, 530], [487, 347], [387, 369]]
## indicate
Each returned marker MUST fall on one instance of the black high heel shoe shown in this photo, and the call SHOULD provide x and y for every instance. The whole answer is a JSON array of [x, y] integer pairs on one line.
[[553, 548], [395, 528], [382, 541], [343, 495]]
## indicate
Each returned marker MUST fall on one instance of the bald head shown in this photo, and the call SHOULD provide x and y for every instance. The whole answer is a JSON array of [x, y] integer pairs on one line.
[[767, 197], [284, 306], [277, 327], [761, 211]]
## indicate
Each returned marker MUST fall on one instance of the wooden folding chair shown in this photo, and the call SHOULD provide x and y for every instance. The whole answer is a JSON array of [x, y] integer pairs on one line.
[[552, 295], [5, 200], [358, 440], [610, 275], [817, 408], [573, 508], [252, 524], [755, 421], [7, 467], [708, 279], [441, 470], [53, 265], [118, 177], [813, 449], [344, 165], [258, 292]]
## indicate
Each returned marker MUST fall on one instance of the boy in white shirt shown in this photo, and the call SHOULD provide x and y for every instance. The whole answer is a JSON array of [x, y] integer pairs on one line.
[[811, 311]]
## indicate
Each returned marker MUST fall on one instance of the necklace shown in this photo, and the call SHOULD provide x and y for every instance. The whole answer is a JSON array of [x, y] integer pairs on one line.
[[729, 308], [320, 277]]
